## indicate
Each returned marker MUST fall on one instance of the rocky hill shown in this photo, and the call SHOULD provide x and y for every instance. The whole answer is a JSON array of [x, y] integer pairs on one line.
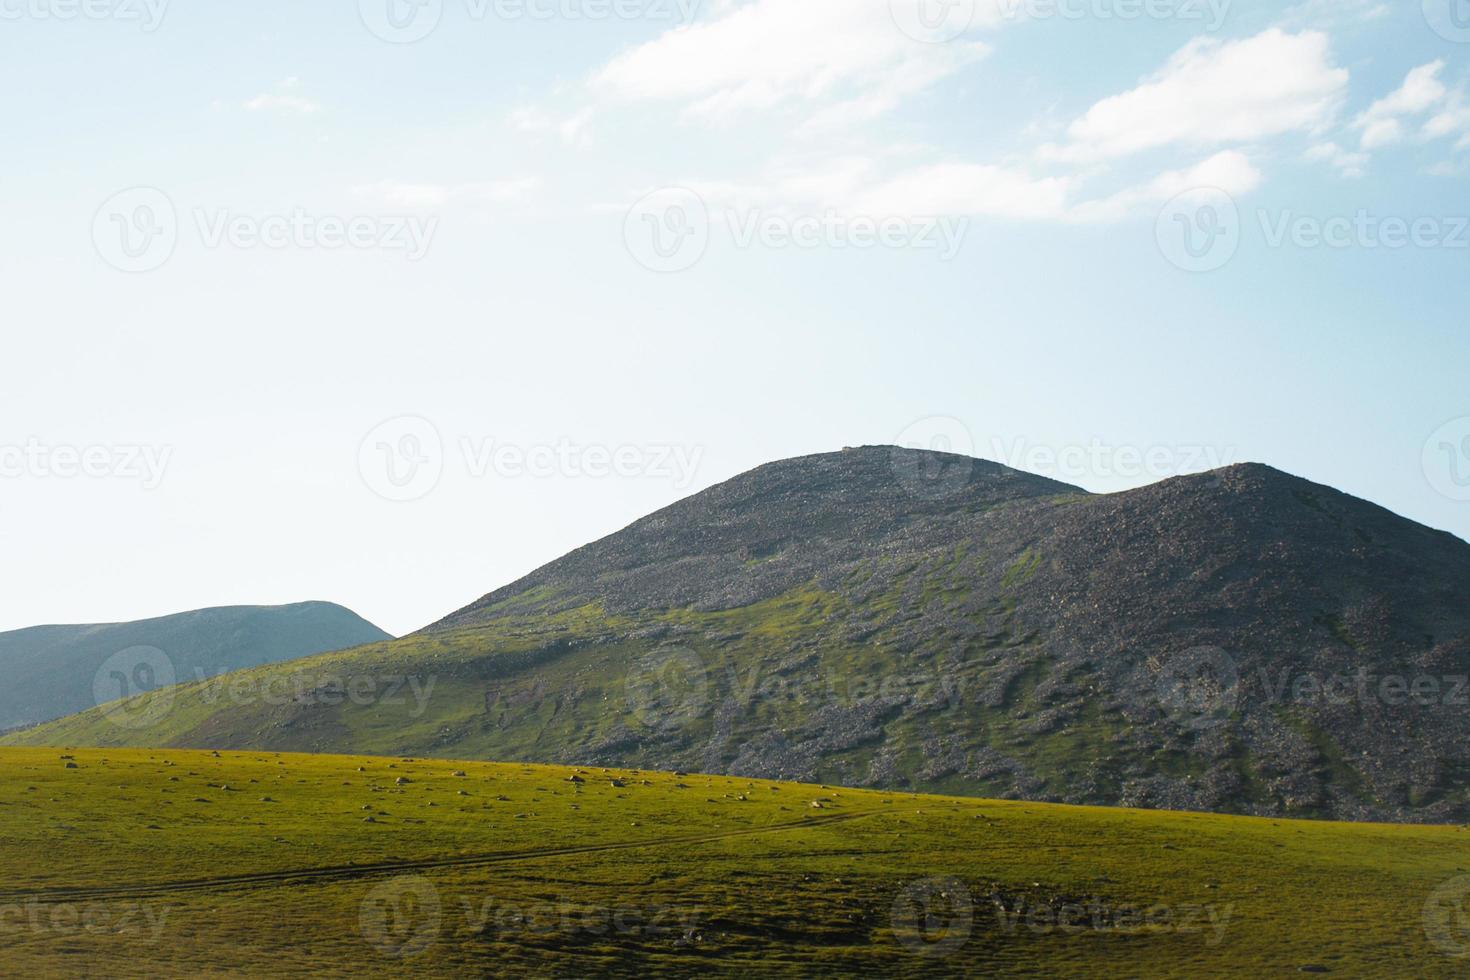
[[1240, 641]]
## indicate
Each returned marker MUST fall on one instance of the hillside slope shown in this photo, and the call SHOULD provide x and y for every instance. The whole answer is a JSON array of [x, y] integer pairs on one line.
[[1240, 641], [51, 671]]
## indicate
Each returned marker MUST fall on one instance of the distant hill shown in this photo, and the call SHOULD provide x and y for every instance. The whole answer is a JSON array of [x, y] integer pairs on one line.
[[51, 671], [1241, 641]]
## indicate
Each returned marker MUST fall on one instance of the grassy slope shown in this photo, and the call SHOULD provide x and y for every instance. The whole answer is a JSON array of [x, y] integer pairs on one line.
[[552, 705], [702, 880]]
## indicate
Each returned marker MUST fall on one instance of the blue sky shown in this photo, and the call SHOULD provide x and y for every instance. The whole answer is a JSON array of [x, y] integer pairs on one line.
[[955, 224]]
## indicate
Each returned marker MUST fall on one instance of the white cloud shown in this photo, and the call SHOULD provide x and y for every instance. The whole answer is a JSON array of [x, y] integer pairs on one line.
[[283, 98], [839, 60], [1230, 171], [1345, 162], [1420, 91], [1453, 118], [1381, 125], [859, 186], [395, 194], [1213, 93], [1391, 119], [892, 187], [967, 188], [1449, 120], [1316, 13], [574, 130], [1378, 133], [799, 186], [529, 119]]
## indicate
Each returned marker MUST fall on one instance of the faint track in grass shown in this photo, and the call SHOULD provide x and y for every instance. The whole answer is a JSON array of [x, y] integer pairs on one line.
[[353, 872]]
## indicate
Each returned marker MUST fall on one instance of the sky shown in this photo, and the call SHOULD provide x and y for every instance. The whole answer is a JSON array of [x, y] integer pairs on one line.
[[389, 302]]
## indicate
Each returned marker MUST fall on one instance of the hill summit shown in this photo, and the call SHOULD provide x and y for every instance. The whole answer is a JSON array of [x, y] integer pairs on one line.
[[1241, 640]]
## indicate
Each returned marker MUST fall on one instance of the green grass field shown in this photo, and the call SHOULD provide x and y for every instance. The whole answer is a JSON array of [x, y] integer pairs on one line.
[[148, 862]]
